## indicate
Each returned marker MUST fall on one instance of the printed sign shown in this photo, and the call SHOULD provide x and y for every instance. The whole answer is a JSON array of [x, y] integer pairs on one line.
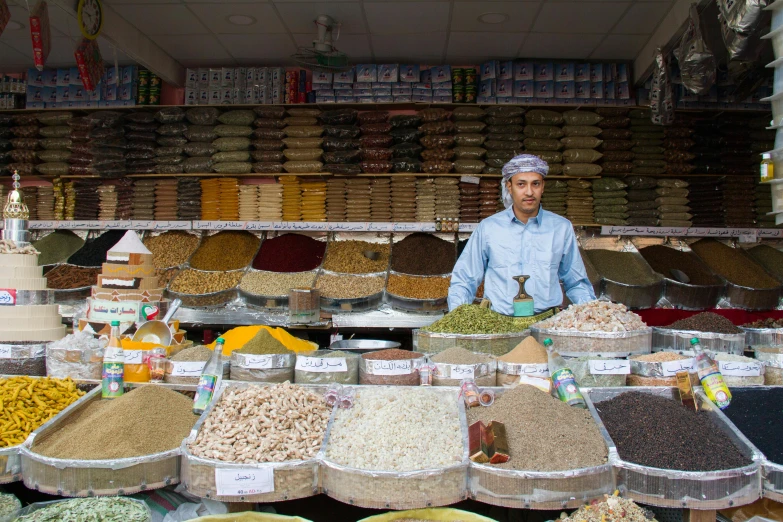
[[321, 364], [237, 482], [610, 367]]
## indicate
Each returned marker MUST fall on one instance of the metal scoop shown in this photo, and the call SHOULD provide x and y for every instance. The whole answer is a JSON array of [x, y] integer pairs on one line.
[[372, 255], [158, 332], [680, 276]]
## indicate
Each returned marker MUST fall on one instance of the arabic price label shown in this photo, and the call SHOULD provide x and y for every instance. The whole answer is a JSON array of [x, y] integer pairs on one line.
[[5, 351], [391, 367], [739, 369], [238, 482], [610, 367], [186, 368], [462, 371], [670, 368], [134, 356], [256, 362], [321, 364]]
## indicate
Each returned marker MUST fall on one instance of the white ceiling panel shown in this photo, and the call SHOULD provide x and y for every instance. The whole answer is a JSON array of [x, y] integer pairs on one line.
[[215, 18], [561, 46], [642, 18], [356, 46], [402, 18], [193, 51], [299, 17], [466, 15], [256, 49], [162, 19], [12, 59], [60, 55], [620, 47], [430, 47], [484, 45], [579, 17]]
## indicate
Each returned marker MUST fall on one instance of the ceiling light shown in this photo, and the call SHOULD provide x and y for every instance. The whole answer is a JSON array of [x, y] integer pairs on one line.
[[241, 20], [493, 18], [13, 26]]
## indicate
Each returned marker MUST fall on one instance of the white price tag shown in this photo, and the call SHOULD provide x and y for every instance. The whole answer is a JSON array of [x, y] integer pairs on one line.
[[238, 482], [133, 356], [321, 364], [612, 367], [5, 351], [187, 368], [462, 371], [670, 368], [391, 367], [7, 297], [470, 179], [256, 362], [739, 369]]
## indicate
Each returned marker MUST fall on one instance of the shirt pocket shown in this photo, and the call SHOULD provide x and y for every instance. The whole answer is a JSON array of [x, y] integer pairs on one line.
[[546, 259]]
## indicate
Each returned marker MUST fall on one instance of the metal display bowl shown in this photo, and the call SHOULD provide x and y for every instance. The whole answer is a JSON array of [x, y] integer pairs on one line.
[[363, 345], [632, 296], [210, 300], [692, 297], [352, 304], [607, 344], [88, 478], [680, 340], [267, 302], [753, 298], [682, 489], [763, 337], [490, 344], [411, 304]]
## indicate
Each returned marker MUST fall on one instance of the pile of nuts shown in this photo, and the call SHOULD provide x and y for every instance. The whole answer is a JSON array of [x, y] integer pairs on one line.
[[263, 424], [418, 287], [348, 257], [595, 316], [349, 287], [171, 248], [9, 247], [196, 282], [275, 283]]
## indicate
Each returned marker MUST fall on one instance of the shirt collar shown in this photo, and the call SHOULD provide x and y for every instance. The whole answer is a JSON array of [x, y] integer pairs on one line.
[[538, 219]]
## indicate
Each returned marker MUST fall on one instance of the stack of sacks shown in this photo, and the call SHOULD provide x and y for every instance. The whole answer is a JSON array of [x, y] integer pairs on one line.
[[55, 126], [504, 136], [30, 195], [438, 141], [611, 205], [268, 140], [107, 203], [6, 120], [380, 200], [468, 150], [677, 143], [270, 202], [143, 200], [405, 147], [3, 193], [375, 142], [542, 138], [426, 211], [141, 135], [229, 199], [335, 200], [672, 202], [580, 142], [98, 145], [469, 206], [642, 209], [292, 198], [45, 203], [59, 198], [357, 200], [739, 196], [707, 151], [579, 202], [169, 155], [489, 194], [736, 149], [313, 200], [200, 135], [248, 202], [705, 197], [615, 128], [233, 142], [447, 198], [166, 200], [554, 198], [403, 198], [86, 199], [210, 199], [763, 206], [188, 199], [70, 200], [648, 150], [341, 154], [303, 141], [24, 142]]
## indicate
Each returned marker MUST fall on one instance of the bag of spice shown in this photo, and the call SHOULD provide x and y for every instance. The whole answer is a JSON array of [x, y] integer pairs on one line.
[[263, 359], [455, 364], [393, 367]]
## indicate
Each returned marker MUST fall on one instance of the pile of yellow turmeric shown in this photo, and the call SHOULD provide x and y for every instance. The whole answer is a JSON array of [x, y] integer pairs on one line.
[[28, 402], [237, 337]]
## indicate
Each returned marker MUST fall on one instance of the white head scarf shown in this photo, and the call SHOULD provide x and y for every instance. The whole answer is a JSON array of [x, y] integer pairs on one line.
[[518, 164]]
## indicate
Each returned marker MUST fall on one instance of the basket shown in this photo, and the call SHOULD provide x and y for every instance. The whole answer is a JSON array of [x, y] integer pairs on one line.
[[606, 344]]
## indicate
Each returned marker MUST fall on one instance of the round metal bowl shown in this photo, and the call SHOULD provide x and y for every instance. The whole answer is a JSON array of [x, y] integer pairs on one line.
[[363, 345]]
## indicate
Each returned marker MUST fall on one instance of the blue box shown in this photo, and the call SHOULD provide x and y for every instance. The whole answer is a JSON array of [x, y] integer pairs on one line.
[[365, 99], [50, 95], [489, 70], [421, 92], [39, 105], [35, 78], [388, 73], [597, 90], [383, 98], [423, 85], [402, 91], [127, 92], [362, 92], [506, 70], [524, 88], [610, 90], [321, 77], [324, 98], [76, 76], [596, 72], [367, 73], [63, 94], [441, 99], [342, 85], [344, 76], [545, 89], [382, 92], [343, 92], [425, 76], [564, 72], [524, 71], [609, 72], [322, 87], [191, 96], [510, 101], [504, 89], [487, 88], [130, 74], [110, 93], [441, 92], [622, 72], [344, 99], [544, 72], [421, 98], [565, 90], [487, 100], [582, 90], [63, 77], [34, 94], [582, 72], [410, 73], [403, 98], [624, 91], [441, 74], [78, 93]]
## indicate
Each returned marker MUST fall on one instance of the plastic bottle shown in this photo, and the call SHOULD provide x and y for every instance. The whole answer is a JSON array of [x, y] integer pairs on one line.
[[711, 379], [113, 375], [767, 169], [564, 383], [210, 378]]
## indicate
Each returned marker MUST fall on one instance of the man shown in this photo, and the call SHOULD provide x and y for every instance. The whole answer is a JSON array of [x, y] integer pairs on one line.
[[524, 239]]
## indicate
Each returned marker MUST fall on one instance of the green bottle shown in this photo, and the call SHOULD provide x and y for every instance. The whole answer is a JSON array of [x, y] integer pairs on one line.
[[210, 378], [113, 375], [564, 383]]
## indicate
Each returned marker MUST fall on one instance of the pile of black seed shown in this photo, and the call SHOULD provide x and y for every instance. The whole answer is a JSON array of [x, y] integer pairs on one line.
[[759, 416], [655, 431], [705, 322], [94, 251]]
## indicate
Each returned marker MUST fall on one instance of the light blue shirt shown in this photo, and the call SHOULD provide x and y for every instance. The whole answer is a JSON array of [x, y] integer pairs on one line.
[[502, 247]]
